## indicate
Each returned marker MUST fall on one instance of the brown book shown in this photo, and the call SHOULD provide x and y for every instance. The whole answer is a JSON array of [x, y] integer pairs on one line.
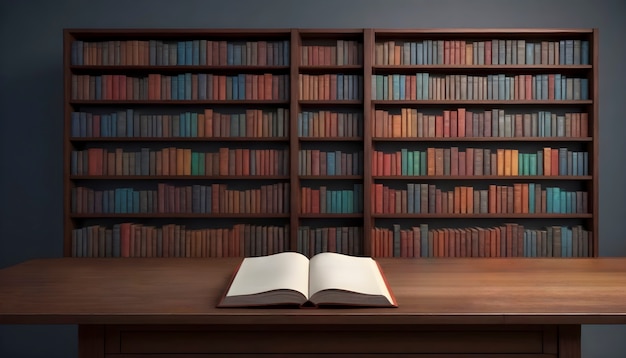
[[327, 279]]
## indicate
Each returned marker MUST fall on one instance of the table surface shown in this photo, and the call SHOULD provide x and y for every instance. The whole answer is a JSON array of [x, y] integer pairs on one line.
[[428, 291]]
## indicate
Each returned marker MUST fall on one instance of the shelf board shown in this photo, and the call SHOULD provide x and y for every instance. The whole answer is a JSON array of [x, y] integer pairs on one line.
[[175, 216], [178, 139], [103, 102], [330, 177], [482, 177], [483, 216], [483, 139], [179, 177], [482, 102]]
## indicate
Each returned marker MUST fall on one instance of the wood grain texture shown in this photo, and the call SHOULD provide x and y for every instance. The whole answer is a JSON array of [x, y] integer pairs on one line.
[[428, 291]]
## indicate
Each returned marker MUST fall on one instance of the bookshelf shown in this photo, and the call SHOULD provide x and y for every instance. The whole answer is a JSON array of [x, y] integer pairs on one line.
[[389, 143]]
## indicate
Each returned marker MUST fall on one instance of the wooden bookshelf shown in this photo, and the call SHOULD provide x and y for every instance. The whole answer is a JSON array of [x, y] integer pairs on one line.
[[228, 137]]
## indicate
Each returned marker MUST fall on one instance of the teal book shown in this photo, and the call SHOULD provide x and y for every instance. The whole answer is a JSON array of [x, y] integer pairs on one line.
[[410, 168], [549, 200], [193, 130], [195, 163], [556, 200], [417, 168], [395, 92], [404, 161]]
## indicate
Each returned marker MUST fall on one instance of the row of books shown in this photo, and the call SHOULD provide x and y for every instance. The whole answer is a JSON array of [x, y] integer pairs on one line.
[[339, 53], [487, 52], [130, 123], [180, 161], [478, 161], [200, 52], [342, 239], [329, 87], [425, 86], [137, 240], [519, 198], [508, 240], [411, 123], [330, 124], [318, 162], [323, 200], [191, 199], [184, 86]]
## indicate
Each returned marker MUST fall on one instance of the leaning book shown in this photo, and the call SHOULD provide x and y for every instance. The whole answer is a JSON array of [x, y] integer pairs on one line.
[[290, 278]]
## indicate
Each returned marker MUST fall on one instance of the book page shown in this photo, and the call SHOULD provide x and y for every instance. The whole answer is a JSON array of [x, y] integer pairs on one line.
[[286, 270], [336, 271]]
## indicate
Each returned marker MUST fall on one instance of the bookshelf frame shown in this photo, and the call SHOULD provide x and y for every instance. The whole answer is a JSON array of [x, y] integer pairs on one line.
[[366, 143]]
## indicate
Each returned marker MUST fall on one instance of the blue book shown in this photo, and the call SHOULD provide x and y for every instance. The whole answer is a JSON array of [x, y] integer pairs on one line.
[[193, 125], [188, 85], [134, 202], [584, 88], [202, 84], [569, 52], [410, 192], [417, 198], [340, 87], [180, 53], [402, 80], [424, 247], [195, 59], [188, 53], [412, 53], [286, 54], [501, 87], [241, 78], [530, 53], [584, 52], [419, 53], [230, 54], [330, 163], [562, 161], [202, 55], [76, 125]]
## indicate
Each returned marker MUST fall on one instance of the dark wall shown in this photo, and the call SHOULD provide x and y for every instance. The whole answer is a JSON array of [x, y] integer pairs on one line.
[[31, 106]]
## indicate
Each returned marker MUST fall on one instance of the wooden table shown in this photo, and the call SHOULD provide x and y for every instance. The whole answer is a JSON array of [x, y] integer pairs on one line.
[[447, 308]]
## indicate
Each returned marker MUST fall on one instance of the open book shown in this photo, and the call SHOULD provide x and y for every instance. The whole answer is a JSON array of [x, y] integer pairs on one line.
[[290, 278]]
